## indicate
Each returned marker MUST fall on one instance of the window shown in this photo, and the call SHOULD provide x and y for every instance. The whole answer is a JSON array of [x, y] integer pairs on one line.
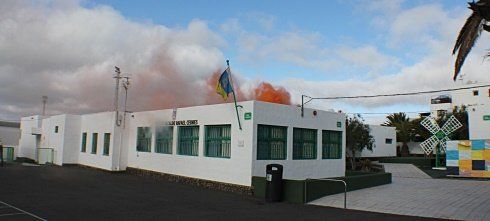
[[331, 144], [388, 141], [304, 144], [94, 143], [143, 142], [107, 143], [56, 129], [489, 92], [164, 138], [188, 140], [218, 141], [441, 113], [271, 142], [475, 93], [84, 142]]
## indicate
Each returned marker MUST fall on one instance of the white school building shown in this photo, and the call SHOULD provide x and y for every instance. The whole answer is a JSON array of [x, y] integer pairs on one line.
[[203, 142]]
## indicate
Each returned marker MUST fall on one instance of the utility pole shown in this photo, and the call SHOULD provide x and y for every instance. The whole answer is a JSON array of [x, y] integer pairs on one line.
[[126, 85], [116, 97], [45, 100]]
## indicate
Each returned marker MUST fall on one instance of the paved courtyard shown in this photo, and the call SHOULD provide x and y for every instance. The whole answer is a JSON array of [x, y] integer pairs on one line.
[[414, 193], [74, 193]]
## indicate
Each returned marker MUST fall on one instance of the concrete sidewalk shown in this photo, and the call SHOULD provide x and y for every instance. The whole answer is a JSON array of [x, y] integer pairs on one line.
[[416, 194]]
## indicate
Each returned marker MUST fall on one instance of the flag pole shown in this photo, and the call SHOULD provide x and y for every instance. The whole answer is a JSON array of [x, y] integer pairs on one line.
[[234, 96]]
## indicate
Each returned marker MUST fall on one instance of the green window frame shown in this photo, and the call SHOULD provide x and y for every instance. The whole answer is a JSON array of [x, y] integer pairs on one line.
[[143, 141], [84, 142], [304, 144], [95, 137], [107, 143], [331, 144], [271, 142], [188, 140], [164, 139], [218, 141]]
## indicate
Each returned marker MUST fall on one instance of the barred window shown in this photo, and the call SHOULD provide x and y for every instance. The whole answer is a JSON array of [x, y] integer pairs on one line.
[[271, 142], [218, 141], [331, 144], [143, 142], [164, 139], [107, 143], [84, 142], [188, 140], [304, 144], [94, 143]]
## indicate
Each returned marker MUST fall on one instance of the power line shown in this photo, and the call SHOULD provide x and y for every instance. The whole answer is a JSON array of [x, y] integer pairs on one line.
[[393, 95], [386, 113], [303, 102]]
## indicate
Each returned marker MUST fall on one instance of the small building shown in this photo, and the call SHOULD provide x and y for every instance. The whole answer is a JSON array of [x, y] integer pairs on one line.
[[384, 142], [203, 142]]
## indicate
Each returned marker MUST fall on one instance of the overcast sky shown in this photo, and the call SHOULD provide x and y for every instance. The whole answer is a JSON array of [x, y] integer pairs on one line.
[[67, 50]]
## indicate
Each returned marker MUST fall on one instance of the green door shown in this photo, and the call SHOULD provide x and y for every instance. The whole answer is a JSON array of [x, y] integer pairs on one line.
[[8, 154]]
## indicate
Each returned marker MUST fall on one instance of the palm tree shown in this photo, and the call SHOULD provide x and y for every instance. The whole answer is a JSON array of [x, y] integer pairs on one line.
[[471, 31], [403, 129]]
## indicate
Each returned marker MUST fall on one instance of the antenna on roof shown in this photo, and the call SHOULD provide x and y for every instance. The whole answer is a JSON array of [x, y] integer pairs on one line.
[[45, 100]]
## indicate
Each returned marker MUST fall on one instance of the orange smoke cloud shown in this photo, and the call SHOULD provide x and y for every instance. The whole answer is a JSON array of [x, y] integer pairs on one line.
[[264, 91], [268, 93]]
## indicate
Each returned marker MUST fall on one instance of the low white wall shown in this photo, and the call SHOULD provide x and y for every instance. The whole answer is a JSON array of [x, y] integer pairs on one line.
[[381, 148], [290, 116], [235, 170]]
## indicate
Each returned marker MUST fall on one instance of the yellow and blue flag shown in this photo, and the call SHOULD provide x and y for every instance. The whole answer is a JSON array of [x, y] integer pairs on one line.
[[224, 86]]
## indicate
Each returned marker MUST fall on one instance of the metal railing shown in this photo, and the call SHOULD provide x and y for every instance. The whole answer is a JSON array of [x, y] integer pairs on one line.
[[326, 179]]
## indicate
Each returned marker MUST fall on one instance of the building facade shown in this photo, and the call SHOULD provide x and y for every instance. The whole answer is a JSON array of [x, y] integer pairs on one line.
[[204, 142], [384, 142]]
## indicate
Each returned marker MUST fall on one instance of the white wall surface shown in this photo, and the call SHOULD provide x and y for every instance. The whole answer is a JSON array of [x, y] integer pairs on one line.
[[51, 139], [28, 143], [381, 148], [478, 127], [99, 123], [236, 169], [290, 116]]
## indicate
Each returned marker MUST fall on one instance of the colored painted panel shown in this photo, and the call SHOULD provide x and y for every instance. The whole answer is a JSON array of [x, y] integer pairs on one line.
[[452, 170], [465, 164], [487, 164], [486, 154], [452, 163], [486, 174], [478, 165], [452, 145], [476, 173], [487, 144], [478, 144], [464, 145], [464, 155], [477, 155], [452, 154]]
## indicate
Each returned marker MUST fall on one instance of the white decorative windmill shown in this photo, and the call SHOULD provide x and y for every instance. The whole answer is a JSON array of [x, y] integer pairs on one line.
[[439, 134]]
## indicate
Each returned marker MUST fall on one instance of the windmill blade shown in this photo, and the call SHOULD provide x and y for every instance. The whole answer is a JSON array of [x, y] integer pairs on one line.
[[443, 144], [429, 144], [430, 124], [451, 125], [466, 40]]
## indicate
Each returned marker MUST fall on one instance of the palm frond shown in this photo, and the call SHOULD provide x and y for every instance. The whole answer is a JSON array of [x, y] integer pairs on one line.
[[466, 40]]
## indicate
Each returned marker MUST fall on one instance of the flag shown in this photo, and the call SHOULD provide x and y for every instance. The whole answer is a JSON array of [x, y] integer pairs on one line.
[[224, 86]]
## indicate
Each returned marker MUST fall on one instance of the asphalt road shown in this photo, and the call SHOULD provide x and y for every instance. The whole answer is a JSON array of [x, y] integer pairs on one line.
[[75, 193]]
